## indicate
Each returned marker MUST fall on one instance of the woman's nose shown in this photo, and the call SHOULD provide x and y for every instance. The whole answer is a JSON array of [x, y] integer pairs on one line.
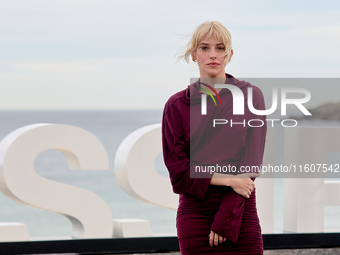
[[213, 54]]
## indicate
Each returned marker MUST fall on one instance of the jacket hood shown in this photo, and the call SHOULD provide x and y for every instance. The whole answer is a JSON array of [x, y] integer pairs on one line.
[[193, 94]]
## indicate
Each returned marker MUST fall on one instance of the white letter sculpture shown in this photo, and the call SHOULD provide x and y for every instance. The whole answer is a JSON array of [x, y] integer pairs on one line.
[[305, 198], [89, 214]]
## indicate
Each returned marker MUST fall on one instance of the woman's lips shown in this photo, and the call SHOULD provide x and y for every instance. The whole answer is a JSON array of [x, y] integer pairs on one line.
[[213, 64]]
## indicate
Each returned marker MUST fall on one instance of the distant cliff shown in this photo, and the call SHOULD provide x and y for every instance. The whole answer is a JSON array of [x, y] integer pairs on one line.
[[329, 111]]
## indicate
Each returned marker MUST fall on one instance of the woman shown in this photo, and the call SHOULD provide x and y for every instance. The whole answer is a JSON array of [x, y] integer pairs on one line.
[[217, 212]]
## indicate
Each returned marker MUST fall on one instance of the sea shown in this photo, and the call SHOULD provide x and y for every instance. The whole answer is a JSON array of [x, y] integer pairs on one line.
[[111, 128]]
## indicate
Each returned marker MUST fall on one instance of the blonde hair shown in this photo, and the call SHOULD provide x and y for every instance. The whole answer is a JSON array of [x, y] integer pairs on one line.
[[208, 28]]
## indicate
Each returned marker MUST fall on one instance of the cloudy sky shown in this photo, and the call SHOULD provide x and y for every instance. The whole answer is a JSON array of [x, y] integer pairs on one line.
[[110, 54]]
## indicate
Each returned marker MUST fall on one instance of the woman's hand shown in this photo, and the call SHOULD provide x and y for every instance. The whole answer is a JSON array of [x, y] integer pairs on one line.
[[242, 184], [214, 238]]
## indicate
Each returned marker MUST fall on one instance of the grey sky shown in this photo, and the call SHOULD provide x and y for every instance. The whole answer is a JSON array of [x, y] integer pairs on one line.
[[122, 54]]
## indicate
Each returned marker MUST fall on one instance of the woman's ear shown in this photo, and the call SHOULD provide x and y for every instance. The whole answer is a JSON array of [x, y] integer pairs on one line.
[[228, 58], [193, 56]]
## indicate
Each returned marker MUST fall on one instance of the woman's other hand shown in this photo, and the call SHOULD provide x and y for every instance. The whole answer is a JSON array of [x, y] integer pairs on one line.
[[214, 238]]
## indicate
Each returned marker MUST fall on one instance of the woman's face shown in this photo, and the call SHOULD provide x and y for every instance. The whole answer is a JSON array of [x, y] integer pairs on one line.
[[211, 58]]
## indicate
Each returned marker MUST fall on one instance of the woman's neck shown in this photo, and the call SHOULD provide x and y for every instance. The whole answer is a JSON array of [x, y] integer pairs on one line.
[[212, 82]]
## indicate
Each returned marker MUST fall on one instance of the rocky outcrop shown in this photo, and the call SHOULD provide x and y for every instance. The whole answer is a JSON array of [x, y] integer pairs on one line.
[[329, 111]]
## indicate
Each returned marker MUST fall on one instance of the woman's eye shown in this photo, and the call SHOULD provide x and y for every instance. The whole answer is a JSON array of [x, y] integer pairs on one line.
[[221, 48], [204, 48]]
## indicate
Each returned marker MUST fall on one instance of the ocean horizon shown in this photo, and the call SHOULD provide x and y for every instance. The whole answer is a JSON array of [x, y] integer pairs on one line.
[[111, 127]]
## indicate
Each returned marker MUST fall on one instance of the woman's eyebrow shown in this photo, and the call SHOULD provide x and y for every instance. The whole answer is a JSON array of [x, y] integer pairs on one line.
[[208, 44]]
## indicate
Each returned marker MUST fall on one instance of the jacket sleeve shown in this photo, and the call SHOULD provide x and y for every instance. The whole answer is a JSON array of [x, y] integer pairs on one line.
[[175, 141], [227, 221]]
